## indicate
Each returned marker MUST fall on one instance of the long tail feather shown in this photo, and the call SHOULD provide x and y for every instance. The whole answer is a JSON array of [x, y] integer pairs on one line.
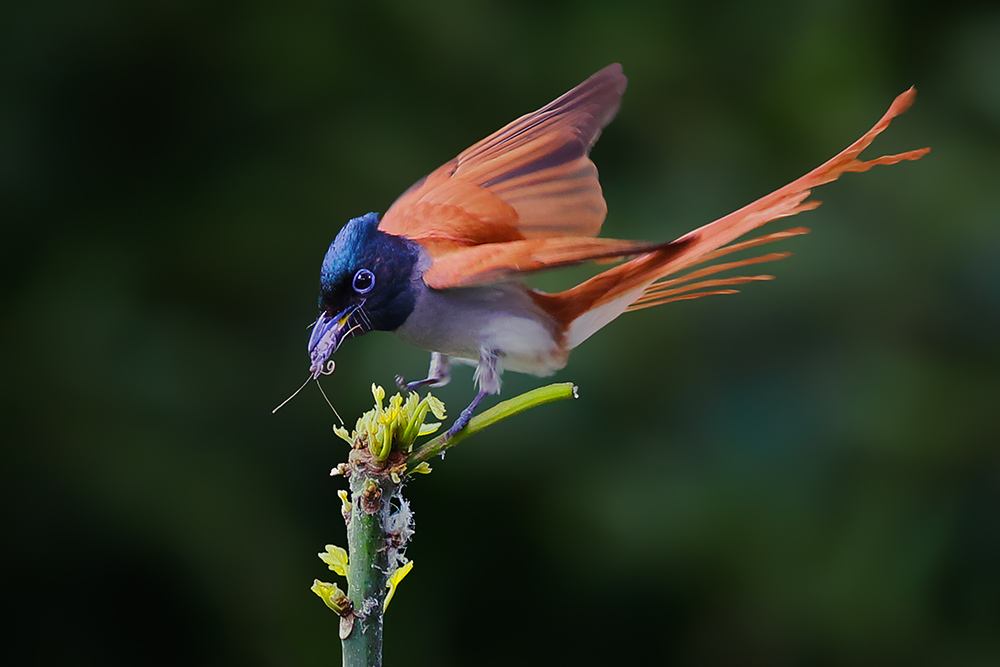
[[701, 284], [716, 268], [755, 242], [591, 305], [683, 297]]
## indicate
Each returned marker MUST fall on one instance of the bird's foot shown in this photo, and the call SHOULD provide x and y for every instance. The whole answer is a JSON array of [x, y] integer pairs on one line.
[[460, 423], [410, 387]]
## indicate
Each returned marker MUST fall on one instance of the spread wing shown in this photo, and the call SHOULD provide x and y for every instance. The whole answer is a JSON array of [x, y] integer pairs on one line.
[[532, 179]]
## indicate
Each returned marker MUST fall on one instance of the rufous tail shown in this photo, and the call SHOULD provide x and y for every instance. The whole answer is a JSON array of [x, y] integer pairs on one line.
[[646, 281]]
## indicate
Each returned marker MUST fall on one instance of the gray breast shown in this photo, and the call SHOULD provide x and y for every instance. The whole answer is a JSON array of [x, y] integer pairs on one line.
[[501, 317]]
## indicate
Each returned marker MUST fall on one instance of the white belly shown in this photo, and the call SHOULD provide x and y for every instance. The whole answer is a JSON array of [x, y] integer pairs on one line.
[[461, 322]]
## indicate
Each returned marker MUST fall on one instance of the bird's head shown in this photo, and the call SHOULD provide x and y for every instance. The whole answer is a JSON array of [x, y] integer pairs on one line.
[[366, 283]]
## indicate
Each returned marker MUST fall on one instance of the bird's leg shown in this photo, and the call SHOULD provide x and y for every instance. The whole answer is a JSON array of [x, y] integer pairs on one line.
[[438, 375], [488, 378], [463, 419]]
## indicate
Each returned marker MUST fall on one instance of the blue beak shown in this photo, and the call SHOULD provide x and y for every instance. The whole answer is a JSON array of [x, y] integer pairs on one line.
[[327, 334]]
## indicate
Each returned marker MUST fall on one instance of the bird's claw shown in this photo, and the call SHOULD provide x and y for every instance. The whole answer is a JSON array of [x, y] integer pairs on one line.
[[416, 385], [460, 423]]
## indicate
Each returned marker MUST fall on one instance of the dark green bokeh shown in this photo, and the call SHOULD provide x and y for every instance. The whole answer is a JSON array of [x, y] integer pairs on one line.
[[804, 474]]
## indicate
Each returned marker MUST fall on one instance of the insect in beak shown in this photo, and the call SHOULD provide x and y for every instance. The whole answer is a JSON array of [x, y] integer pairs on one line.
[[328, 332], [327, 335]]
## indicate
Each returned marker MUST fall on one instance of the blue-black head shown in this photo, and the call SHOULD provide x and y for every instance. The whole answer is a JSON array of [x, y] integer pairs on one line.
[[366, 283]]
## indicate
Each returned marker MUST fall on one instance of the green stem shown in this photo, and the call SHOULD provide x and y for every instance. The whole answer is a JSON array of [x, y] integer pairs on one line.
[[367, 568], [531, 399], [371, 490]]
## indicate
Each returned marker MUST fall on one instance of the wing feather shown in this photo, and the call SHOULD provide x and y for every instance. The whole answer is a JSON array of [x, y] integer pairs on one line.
[[530, 179], [495, 262]]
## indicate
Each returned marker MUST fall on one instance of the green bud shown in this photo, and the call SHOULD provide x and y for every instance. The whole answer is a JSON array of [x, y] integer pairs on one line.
[[394, 425]]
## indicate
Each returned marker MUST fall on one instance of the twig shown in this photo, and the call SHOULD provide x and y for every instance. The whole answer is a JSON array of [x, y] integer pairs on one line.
[[531, 399]]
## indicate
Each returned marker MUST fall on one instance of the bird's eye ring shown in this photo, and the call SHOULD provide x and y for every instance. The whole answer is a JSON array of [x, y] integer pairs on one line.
[[364, 281]]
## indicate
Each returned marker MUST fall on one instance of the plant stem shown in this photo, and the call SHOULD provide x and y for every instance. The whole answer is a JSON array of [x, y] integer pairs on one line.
[[531, 399], [372, 489], [367, 570]]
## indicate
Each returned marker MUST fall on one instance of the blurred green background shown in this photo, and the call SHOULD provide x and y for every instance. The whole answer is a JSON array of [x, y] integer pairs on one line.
[[805, 474]]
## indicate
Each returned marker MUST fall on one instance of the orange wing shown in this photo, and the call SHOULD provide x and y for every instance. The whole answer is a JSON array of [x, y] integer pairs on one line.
[[532, 179], [493, 262]]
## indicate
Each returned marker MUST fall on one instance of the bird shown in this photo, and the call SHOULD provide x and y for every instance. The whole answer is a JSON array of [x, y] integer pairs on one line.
[[445, 267]]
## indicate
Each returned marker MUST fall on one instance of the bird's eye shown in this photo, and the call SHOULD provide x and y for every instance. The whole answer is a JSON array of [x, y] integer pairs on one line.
[[364, 281]]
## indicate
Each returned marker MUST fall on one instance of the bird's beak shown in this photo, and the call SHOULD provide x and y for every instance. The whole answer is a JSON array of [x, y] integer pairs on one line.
[[327, 334]]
